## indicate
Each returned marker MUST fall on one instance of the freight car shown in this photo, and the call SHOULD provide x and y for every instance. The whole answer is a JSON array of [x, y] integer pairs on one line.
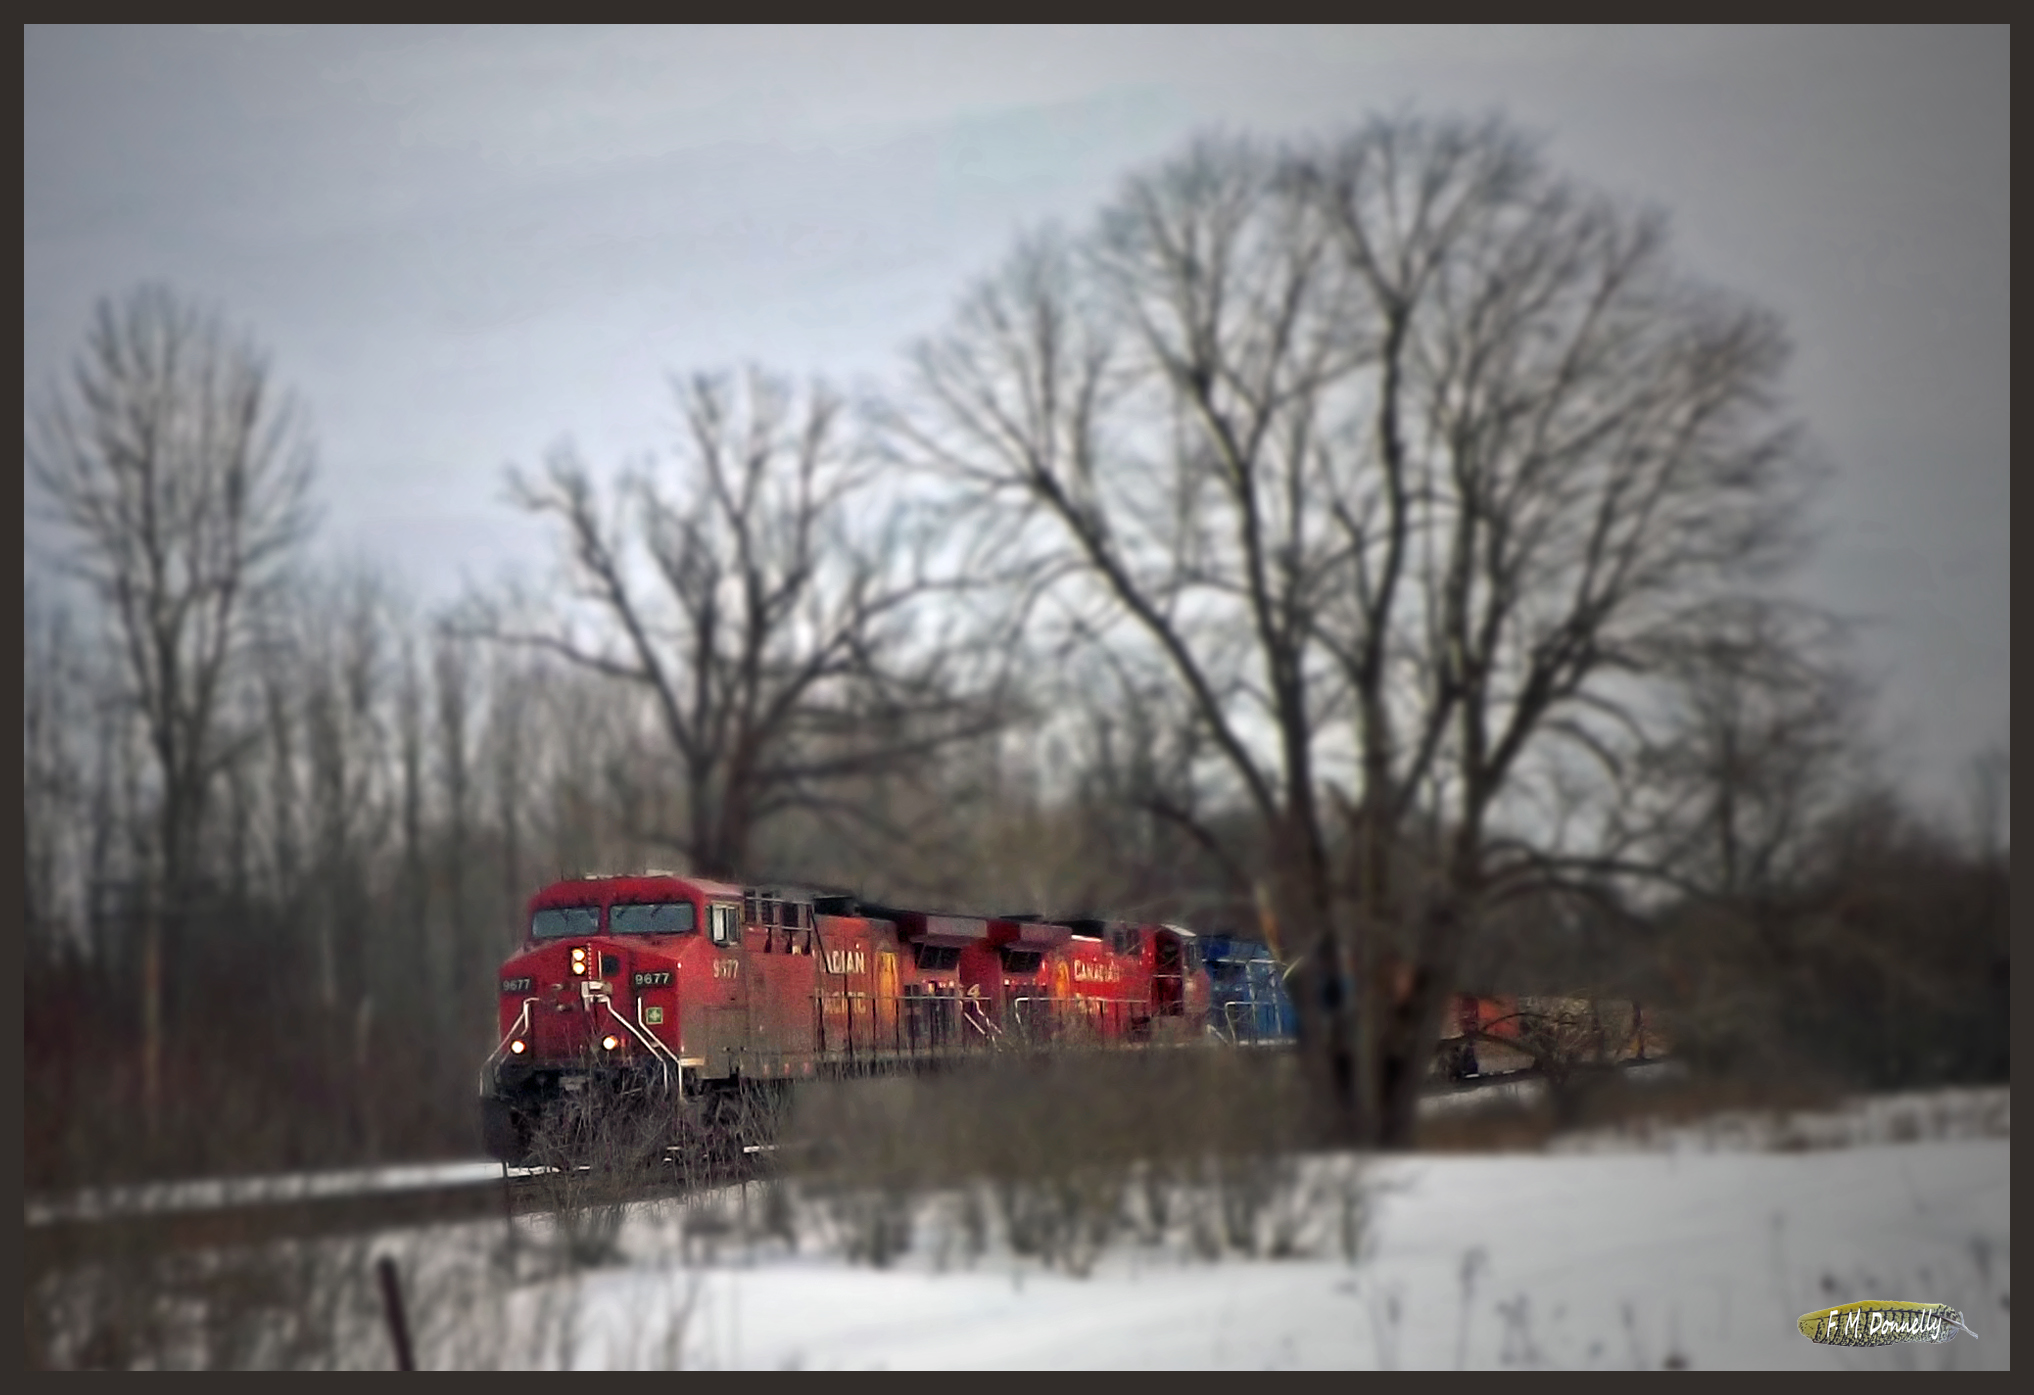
[[1506, 1033], [686, 995]]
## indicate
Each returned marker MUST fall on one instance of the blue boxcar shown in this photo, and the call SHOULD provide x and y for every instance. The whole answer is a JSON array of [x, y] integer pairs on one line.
[[1250, 1002]]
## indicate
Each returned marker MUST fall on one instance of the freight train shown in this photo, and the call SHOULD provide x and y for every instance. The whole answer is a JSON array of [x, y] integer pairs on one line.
[[690, 998], [669, 988]]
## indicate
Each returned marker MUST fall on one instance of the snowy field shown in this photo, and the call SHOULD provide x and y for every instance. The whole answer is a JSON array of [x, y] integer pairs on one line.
[[1696, 1246], [1602, 1261]]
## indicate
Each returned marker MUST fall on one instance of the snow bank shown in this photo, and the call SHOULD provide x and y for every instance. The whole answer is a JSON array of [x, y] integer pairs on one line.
[[1905, 1117], [206, 1193]]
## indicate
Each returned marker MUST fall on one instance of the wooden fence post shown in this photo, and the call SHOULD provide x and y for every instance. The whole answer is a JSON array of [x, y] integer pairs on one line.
[[392, 1307]]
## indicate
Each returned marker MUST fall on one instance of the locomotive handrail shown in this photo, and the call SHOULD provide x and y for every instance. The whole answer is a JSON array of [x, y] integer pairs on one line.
[[819, 939], [521, 1027], [658, 1051], [1257, 1034], [657, 1045]]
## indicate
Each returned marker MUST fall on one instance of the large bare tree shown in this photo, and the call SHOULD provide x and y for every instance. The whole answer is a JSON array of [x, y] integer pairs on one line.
[[1410, 465], [182, 477], [771, 615], [1762, 742]]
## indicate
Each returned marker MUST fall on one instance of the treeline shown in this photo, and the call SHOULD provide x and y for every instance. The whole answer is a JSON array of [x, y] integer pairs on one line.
[[394, 793], [1375, 543]]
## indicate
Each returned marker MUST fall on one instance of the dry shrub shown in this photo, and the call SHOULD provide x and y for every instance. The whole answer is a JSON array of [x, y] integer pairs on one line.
[[291, 1304], [1062, 1153], [600, 1157]]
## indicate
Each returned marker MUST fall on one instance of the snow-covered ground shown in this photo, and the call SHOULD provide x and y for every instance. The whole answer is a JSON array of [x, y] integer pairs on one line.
[[1599, 1261], [1697, 1245]]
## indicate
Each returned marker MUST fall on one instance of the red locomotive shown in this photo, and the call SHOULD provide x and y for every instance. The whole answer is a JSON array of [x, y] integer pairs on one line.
[[684, 993]]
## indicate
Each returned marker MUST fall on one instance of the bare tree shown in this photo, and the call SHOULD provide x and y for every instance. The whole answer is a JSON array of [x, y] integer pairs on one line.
[[1583, 474], [1409, 464], [454, 690], [747, 594], [327, 653], [1760, 742], [414, 880], [53, 779], [1143, 416], [184, 478], [1988, 788]]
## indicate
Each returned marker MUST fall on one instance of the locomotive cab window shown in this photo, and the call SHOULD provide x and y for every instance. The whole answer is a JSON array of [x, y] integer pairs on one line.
[[561, 922], [936, 956], [722, 923], [1022, 961], [659, 918]]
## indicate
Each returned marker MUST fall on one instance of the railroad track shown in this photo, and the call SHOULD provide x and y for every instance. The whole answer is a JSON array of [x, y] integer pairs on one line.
[[60, 1237]]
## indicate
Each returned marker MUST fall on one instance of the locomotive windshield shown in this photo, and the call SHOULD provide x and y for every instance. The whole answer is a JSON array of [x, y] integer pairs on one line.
[[660, 918], [561, 921]]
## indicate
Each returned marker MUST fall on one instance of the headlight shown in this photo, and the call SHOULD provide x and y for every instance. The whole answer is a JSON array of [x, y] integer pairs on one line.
[[516, 1048], [610, 1042], [579, 961]]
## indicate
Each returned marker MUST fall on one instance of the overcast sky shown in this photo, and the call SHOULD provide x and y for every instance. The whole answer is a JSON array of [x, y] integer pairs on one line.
[[461, 246]]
